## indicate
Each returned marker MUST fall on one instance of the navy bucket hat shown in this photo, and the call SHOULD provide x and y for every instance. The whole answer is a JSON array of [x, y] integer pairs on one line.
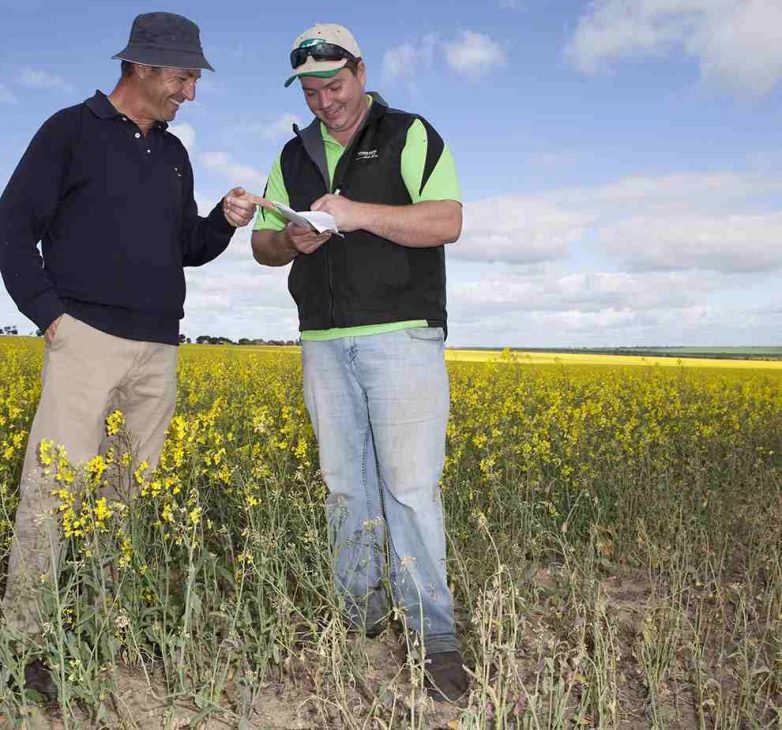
[[165, 39]]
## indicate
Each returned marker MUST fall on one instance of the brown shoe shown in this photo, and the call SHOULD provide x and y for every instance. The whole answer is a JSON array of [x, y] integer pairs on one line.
[[38, 678], [444, 676], [374, 630]]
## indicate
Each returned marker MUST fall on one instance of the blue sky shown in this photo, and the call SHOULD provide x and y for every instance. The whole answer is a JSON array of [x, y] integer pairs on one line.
[[619, 159]]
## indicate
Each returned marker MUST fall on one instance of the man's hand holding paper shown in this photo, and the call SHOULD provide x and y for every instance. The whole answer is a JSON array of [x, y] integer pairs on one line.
[[347, 213], [317, 220], [304, 240]]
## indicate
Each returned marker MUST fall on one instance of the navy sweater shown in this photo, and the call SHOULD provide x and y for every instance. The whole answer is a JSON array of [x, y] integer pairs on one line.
[[115, 214]]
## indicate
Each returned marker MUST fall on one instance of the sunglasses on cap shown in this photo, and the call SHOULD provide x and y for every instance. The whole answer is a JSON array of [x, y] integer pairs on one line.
[[320, 52]]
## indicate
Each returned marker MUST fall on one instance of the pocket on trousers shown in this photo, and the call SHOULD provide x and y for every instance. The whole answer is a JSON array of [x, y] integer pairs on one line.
[[428, 334], [59, 333]]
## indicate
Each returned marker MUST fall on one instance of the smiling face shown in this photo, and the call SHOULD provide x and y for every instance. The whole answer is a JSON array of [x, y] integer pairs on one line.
[[337, 101], [166, 89]]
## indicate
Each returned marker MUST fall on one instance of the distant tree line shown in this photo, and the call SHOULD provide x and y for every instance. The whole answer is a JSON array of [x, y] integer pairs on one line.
[[209, 340], [12, 329]]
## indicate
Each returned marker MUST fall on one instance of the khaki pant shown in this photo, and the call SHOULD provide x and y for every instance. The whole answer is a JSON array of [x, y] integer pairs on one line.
[[87, 374]]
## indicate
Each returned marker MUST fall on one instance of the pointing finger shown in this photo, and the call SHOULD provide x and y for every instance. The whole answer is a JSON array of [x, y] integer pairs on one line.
[[258, 200]]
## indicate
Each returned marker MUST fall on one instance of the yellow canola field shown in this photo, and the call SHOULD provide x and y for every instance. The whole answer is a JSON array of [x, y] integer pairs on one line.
[[572, 358], [594, 510], [560, 481]]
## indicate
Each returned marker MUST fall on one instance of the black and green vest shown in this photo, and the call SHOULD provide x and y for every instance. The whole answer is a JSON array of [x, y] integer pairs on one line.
[[363, 279]]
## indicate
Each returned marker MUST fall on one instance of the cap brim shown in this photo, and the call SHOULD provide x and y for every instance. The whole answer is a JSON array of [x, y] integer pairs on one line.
[[323, 69], [164, 59]]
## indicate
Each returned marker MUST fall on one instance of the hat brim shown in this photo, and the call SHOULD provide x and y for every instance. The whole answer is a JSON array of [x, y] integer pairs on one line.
[[164, 58], [324, 69]]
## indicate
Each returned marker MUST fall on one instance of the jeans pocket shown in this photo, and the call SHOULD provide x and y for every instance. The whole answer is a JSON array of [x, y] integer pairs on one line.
[[429, 334]]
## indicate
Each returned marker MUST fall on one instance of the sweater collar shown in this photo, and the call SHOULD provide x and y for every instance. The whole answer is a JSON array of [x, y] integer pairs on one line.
[[102, 108]]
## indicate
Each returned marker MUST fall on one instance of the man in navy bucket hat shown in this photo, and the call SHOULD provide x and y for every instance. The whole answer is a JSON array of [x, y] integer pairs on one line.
[[107, 190]]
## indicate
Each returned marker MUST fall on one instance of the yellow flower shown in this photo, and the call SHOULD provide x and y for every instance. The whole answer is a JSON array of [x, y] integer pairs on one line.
[[114, 422], [138, 475], [46, 452], [102, 511], [95, 468], [126, 553]]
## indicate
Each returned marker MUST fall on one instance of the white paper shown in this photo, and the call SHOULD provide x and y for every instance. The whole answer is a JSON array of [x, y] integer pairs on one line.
[[317, 220]]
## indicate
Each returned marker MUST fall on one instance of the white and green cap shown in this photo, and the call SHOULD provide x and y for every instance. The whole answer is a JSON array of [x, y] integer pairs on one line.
[[322, 50]]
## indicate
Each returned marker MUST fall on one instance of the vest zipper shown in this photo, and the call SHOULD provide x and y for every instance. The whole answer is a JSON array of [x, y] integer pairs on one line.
[[324, 176], [330, 189], [332, 318]]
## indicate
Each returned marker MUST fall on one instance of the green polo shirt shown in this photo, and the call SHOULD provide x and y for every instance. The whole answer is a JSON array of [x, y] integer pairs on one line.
[[442, 185]]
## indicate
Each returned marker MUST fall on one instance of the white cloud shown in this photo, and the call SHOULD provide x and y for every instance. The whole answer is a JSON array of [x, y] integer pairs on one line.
[[712, 190], [735, 42], [401, 61], [743, 242], [280, 128], [186, 134], [468, 53], [6, 95], [720, 222], [513, 290], [238, 173], [626, 326], [566, 308], [32, 78], [236, 297], [473, 54], [220, 163], [407, 60], [518, 230]]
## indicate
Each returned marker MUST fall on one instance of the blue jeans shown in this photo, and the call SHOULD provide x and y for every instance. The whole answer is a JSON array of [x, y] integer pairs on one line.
[[379, 407]]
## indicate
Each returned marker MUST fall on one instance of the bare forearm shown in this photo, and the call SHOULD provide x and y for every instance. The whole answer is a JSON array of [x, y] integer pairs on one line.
[[423, 225], [272, 248]]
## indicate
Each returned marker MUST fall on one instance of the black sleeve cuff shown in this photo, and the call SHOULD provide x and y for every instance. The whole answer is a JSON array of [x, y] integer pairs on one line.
[[217, 221], [44, 309]]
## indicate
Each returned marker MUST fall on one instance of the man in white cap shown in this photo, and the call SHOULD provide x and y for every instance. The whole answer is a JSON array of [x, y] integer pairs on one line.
[[108, 192], [372, 318]]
